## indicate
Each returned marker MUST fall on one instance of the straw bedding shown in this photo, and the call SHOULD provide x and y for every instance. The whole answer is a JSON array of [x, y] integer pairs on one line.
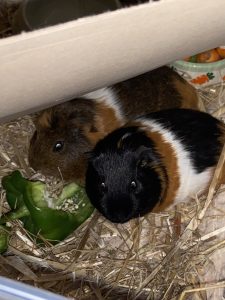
[[178, 254]]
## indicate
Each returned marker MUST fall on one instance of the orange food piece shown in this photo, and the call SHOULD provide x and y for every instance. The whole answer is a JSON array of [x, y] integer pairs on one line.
[[223, 78], [208, 56], [221, 51], [192, 59], [200, 79]]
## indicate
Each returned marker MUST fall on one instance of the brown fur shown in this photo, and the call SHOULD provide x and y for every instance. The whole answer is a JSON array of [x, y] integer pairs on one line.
[[45, 119], [169, 161], [187, 92], [221, 179], [63, 122], [81, 123], [158, 169], [78, 171], [105, 120], [156, 90]]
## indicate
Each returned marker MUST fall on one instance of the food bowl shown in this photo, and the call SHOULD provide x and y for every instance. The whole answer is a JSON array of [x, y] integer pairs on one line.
[[201, 74]]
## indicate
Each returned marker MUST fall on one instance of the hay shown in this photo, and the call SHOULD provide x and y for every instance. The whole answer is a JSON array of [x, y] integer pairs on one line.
[[173, 255], [178, 254]]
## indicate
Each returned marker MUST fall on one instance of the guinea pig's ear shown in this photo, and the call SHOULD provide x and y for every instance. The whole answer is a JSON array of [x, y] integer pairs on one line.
[[83, 117], [120, 143], [43, 120], [147, 157], [81, 111]]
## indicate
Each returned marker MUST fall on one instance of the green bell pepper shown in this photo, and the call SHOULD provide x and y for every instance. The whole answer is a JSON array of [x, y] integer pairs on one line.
[[28, 202]]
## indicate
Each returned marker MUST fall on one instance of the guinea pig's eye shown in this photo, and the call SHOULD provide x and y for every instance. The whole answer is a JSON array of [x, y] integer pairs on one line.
[[133, 185], [103, 186], [58, 146]]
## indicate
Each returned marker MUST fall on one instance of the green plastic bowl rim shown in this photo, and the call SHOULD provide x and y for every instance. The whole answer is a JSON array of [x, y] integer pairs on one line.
[[199, 67]]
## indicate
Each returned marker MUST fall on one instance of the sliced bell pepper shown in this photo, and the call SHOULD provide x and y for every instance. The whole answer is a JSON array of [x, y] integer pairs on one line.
[[28, 202]]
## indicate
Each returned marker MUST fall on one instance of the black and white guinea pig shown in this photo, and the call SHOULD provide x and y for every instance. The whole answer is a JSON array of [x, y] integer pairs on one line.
[[65, 132], [157, 160]]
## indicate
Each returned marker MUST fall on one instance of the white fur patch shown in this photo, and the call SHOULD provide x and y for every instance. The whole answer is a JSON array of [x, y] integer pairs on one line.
[[191, 182], [107, 96]]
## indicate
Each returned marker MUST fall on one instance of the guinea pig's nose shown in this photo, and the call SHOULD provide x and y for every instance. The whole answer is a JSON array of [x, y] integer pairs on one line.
[[119, 210]]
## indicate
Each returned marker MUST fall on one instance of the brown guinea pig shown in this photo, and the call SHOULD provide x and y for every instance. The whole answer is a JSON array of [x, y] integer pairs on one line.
[[154, 162], [65, 132]]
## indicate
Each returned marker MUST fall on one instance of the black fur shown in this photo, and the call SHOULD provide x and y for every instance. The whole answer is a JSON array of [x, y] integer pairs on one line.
[[117, 164], [125, 176], [198, 131]]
